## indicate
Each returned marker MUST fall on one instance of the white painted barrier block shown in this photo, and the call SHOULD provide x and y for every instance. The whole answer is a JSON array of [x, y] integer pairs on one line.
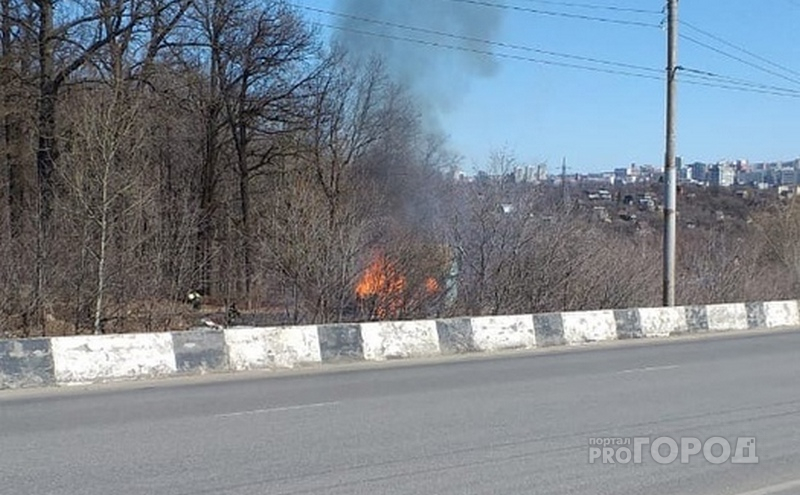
[[661, 322], [272, 347], [781, 314], [397, 340], [493, 333], [589, 326], [85, 359], [723, 317]]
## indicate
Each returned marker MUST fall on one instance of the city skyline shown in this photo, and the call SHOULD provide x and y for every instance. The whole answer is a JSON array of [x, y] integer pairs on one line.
[[658, 167]]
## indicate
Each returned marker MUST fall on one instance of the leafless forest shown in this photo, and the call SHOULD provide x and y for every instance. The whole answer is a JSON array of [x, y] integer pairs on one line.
[[155, 147]]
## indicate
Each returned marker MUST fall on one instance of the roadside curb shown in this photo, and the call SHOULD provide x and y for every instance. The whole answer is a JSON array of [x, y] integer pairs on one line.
[[57, 361]]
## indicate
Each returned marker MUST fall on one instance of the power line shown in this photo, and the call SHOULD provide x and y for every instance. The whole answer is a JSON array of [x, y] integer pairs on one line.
[[696, 77], [552, 13], [711, 76], [743, 89], [739, 59], [480, 40], [705, 78], [493, 54], [741, 49], [611, 8]]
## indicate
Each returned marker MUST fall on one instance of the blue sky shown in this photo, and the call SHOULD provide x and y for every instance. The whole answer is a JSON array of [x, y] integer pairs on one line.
[[598, 121]]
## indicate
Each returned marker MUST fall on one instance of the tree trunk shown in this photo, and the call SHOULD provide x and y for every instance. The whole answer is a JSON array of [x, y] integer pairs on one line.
[[207, 188], [12, 128], [16, 191], [244, 194], [46, 153], [242, 140], [101, 262]]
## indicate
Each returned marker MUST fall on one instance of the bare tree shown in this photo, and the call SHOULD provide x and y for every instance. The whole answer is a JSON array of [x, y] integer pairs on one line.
[[104, 176], [327, 210], [268, 62], [778, 227], [52, 45]]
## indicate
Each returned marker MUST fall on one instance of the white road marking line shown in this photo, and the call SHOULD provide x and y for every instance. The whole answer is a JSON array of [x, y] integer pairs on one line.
[[649, 368], [774, 488], [276, 409]]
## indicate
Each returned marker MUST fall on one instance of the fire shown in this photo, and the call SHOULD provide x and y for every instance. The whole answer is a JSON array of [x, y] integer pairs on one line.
[[383, 287], [383, 282], [381, 277], [431, 286]]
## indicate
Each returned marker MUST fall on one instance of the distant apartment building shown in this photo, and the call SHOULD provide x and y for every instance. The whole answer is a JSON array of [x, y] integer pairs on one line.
[[627, 175], [787, 177], [598, 178], [751, 177], [530, 173], [458, 175], [648, 173], [681, 169], [742, 165], [722, 175], [520, 175], [685, 174], [541, 172], [699, 171]]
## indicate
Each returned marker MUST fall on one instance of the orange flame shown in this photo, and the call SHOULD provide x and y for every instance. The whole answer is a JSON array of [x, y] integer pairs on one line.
[[383, 287], [382, 281], [380, 277], [431, 286]]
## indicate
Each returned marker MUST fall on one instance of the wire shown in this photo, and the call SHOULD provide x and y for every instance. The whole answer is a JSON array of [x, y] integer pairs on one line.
[[743, 89], [707, 79], [736, 47], [597, 7], [492, 54], [480, 40], [557, 14], [739, 59], [743, 82]]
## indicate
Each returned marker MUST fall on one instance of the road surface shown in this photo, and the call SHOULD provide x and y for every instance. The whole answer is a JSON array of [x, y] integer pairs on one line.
[[512, 425]]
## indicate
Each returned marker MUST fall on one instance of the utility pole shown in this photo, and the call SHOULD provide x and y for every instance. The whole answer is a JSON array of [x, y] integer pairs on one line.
[[564, 190], [670, 172]]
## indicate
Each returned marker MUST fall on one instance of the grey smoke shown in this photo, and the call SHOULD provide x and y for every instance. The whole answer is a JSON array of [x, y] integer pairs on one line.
[[440, 77]]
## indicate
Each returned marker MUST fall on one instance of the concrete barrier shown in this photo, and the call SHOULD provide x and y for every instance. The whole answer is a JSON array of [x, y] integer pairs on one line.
[[589, 326], [662, 322], [26, 363], [549, 328], [629, 324], [272, 347], [399, 340], [200, 350], [455, 336], [340, 343], [781, 314], [756, 316], [696, 319], [494, 333], [723, 317], [85, 359]]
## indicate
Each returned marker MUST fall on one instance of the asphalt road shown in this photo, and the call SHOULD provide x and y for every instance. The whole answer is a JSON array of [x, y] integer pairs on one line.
[[514, 425]]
